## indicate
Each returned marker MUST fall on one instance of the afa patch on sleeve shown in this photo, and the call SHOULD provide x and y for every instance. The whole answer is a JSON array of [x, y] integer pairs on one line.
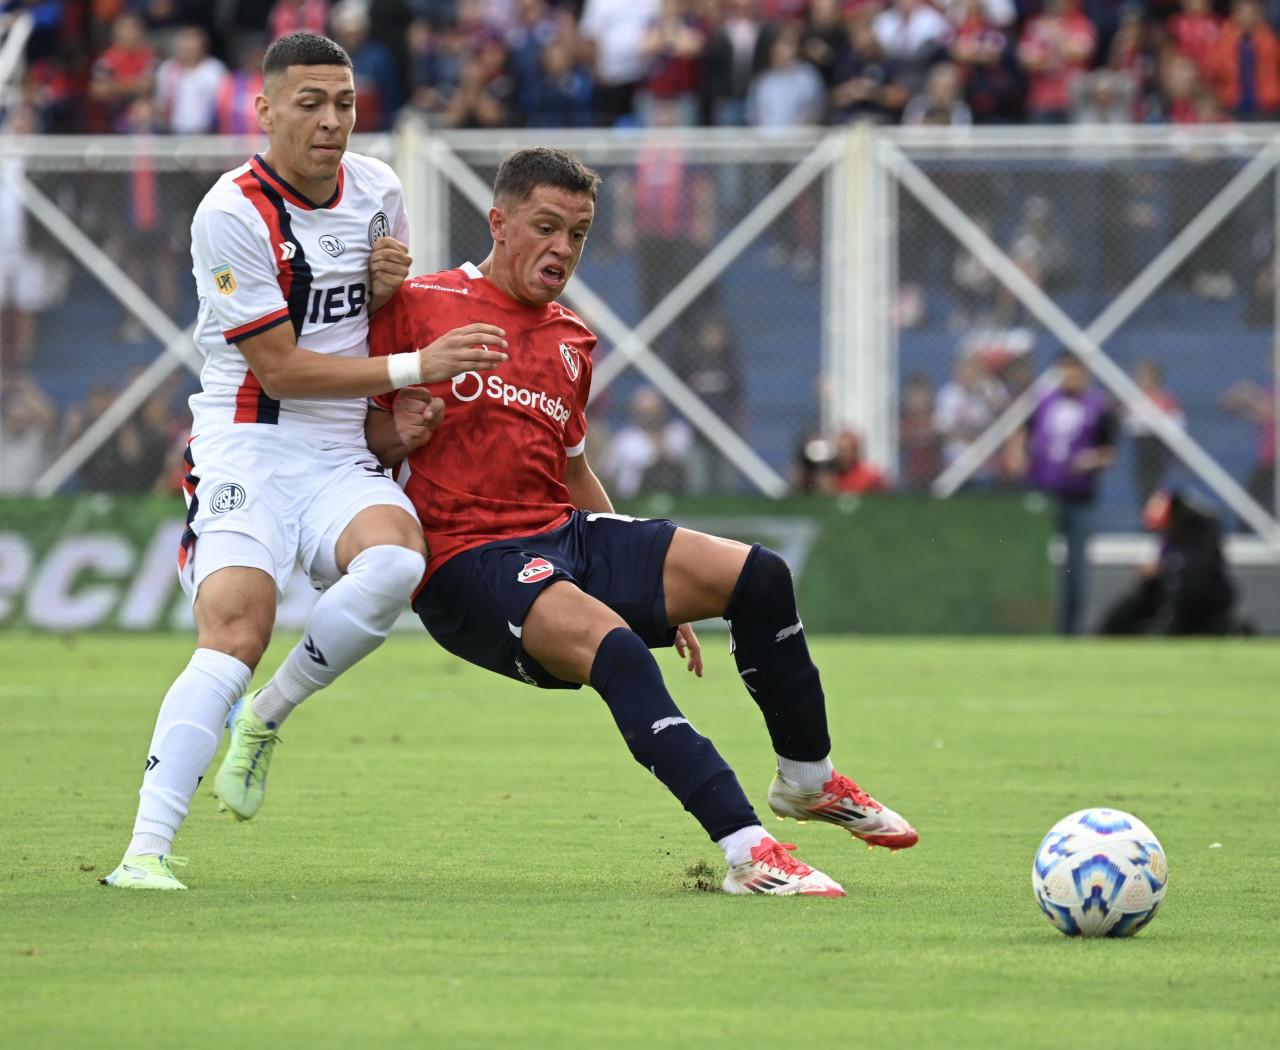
[[225, 280]]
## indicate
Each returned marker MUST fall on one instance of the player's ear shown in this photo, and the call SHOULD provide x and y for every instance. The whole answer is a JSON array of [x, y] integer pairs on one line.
[[262, 106], [498, 224]]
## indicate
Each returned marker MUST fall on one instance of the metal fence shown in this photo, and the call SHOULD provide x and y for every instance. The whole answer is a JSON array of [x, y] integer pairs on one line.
[[755, 295]]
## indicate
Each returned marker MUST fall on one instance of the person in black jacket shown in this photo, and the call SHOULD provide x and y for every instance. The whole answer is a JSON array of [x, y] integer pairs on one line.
[[1187, 590]]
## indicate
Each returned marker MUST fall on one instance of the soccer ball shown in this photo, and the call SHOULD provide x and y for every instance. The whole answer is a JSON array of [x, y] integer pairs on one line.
[[1100, 873]]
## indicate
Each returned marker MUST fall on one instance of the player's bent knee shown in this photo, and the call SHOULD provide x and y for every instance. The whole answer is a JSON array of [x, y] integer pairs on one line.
[[389, 571]]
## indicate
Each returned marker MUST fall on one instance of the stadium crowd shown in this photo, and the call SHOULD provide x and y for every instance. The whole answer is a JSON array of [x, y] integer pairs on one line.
[[188, 67]]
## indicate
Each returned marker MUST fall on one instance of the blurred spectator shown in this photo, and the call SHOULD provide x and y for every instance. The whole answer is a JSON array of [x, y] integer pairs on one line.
[[187, 84], [133, 458], [486, 91], [965, 407], [145, 241], [298, 16], [976, 286], [29, 281], [123, 73], [788, 92], [919, 445], [28, 423], [1150, 453], [377, 78], [1193, 34], [234, 106], [1067, 443], [735, 50], [561, 95], [824, 38], [913, 35], [1181, 87], [1134, 53], [647, 455], [674, 220], [868, 86], [435, 67], [672, 45], [1038, 249], [941, 102], [850, 473], [1257, 405], [534, 31], [616, 31], [710, 367], [984, 54], [1244, 64], [1187, 590], [1103, 97], [1056, 46]]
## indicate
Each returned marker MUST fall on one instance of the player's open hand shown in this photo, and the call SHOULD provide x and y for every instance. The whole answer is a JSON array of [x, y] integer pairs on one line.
[[389, 263], [473, 348], [417, 416], [688, 646]]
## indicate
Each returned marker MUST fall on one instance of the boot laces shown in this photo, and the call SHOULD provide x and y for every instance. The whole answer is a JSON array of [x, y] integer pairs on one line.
[[775, 855], [841, 787]]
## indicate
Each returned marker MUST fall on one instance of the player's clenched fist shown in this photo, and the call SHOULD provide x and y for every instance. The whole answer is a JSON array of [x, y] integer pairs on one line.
[[417, 416], [389, 263], [464, 349]]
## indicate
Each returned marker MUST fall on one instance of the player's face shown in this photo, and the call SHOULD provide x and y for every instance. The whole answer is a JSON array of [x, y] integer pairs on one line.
[[542, 240], [307, 113]]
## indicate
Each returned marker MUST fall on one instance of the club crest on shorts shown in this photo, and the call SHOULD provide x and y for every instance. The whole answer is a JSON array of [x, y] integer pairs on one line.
[[535, 570], [224, 280], [227, 498], [379, 227], [571, 363]]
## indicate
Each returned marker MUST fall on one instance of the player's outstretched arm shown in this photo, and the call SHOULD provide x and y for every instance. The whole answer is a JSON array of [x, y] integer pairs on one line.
[[413, 420], [285, 370]]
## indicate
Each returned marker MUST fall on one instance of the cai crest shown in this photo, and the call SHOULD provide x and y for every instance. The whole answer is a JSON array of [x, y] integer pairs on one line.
[[571, 363], [379, 227], [534, 570]]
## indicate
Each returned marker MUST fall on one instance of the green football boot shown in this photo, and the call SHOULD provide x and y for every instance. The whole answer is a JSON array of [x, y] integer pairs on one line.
[[145, 871], [242, 778]]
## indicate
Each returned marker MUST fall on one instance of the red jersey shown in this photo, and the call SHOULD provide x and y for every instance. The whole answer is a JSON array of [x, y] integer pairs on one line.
[[495, 468]]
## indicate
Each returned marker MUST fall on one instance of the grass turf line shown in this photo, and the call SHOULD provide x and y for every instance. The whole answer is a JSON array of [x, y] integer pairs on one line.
[[446, 859]]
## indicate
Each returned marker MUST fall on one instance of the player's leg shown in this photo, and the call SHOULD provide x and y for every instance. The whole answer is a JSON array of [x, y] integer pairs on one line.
[[752, 588], [579, 639], [234, 612], [378, 558]]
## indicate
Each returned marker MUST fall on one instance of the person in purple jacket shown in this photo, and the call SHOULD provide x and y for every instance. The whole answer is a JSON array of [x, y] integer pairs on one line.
[[1067, 443]]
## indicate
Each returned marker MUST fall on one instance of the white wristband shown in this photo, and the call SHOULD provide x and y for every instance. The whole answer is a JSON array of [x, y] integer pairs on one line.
[[404, 369]]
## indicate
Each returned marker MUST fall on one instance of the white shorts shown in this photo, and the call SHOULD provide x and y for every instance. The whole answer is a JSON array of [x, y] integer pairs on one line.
[[274, 501]]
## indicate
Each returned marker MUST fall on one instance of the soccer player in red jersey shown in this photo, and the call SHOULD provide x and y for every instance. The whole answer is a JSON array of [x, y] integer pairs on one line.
[[532, 575]]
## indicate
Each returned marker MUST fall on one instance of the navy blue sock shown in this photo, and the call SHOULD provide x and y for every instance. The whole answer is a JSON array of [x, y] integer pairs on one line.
[[662, 740], [773, 661]]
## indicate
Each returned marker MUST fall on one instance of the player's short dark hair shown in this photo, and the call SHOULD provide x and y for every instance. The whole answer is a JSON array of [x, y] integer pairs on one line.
[[527, 169], [303, 49]]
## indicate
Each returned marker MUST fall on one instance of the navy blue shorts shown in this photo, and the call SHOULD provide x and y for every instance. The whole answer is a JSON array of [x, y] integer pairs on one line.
[[475, 604]]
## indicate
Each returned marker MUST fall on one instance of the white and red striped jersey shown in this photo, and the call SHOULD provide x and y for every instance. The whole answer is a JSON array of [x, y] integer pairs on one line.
[[264, 255]]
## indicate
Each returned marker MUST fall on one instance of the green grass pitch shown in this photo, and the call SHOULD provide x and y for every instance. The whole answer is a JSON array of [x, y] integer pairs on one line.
[[446, 859]]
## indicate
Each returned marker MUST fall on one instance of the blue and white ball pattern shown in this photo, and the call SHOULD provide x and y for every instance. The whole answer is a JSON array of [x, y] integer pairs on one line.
[[1100, 873]]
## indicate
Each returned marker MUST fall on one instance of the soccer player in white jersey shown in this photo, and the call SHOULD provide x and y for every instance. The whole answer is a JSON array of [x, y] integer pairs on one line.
[[292, 252]]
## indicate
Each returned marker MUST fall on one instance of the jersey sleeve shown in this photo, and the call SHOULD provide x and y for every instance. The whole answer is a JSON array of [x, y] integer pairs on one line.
[[399, 216], [575, 431], [236, 275]]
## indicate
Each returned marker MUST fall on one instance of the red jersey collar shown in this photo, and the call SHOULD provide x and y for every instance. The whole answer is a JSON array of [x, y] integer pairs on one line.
[[263, 170]]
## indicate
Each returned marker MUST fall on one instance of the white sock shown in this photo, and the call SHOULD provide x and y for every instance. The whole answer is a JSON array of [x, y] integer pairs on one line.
[[188, 731], [805, 776], [350, 621], [737, 847]]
